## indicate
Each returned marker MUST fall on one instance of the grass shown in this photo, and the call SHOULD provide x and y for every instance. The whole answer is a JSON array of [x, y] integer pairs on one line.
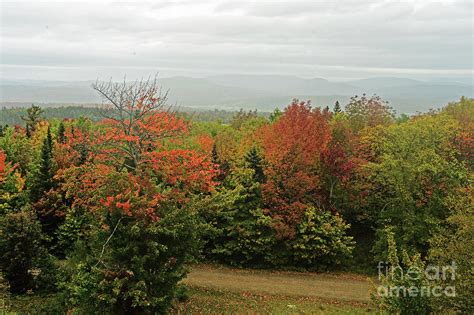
[[214, 301], [342, 287], [218, 290]]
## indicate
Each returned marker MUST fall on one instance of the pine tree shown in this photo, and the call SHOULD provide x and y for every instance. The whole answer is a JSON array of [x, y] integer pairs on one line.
[[337, 107], [84, 154], [33, 116], [254, 161], [61, 135], [224, 166], [44, 178]]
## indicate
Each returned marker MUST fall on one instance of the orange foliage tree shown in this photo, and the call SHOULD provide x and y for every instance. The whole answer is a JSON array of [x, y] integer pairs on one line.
[[292, 147], [137, 183]]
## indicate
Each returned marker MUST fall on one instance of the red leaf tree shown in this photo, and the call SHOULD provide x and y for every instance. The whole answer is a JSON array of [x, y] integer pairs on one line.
[[292, 147]]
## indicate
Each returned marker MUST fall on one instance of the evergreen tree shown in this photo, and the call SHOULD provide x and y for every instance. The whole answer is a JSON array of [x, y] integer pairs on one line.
[[61, 135], [224, 166], [84, 153], [254, 161], [337, 107], [33, 116], [44, 179]]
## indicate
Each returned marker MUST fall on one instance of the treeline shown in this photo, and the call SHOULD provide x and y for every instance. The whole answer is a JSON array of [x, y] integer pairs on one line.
[[110, 213], [13, 116]]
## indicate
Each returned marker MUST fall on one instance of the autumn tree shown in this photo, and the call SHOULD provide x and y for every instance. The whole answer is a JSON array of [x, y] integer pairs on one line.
[[17, 148], [241, 116], [368, 112], [463, 112], [12, 184], [140, 188], [291, 147]]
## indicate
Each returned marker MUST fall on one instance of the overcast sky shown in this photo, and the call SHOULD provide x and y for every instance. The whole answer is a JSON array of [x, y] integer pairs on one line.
[[335, 39]]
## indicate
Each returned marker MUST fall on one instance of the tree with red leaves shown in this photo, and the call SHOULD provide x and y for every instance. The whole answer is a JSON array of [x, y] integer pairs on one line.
[[292, 147], [138, 185]]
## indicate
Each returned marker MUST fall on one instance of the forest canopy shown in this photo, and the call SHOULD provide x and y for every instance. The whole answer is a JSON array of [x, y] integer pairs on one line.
[[110, 209]]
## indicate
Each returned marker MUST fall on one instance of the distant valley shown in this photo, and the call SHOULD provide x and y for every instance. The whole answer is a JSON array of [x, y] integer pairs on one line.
[[262, 92]]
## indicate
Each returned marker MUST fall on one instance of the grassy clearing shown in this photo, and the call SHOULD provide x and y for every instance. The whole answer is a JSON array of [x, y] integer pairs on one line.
[[218, 290], [213, 301], [342, 287], [222, 290]]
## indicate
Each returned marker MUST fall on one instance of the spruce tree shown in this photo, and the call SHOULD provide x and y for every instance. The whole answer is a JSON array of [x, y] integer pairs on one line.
[[254, 161], [33, 116], [61, 135], [43, 181], [84, 154], [337, 108]]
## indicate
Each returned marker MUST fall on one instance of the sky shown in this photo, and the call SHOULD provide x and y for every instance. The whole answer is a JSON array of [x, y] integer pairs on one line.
[[337, 40]]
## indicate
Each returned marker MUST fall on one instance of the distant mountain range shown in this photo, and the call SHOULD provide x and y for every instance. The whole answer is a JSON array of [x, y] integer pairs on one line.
[[263, 92]]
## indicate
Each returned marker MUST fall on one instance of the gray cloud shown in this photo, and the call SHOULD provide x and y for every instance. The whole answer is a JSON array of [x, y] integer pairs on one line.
[[333, 39]]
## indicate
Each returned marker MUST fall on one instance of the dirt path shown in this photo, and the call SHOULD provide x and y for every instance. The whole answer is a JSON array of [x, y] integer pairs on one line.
[[330, 286]]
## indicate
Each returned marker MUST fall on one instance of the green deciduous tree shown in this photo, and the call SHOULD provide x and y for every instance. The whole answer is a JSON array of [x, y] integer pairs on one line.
[[368, 112], [454, 243], [416, 172]]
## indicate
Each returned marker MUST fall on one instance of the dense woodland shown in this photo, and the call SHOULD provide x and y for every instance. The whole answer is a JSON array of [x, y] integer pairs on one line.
[[109, 213]]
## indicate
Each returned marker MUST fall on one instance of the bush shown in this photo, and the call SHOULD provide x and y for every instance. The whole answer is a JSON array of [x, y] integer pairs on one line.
[[246, 242], [140, 267], [240, 233], [320, 241], [20, 245], [243, 235], [402, 276], [71, 230]]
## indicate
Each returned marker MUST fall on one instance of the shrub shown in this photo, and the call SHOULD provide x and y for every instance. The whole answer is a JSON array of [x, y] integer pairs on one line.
[[239, 233], [320, 241], [135, 269], [71, 230], [243, 235], [246, 242], [393, 295]]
